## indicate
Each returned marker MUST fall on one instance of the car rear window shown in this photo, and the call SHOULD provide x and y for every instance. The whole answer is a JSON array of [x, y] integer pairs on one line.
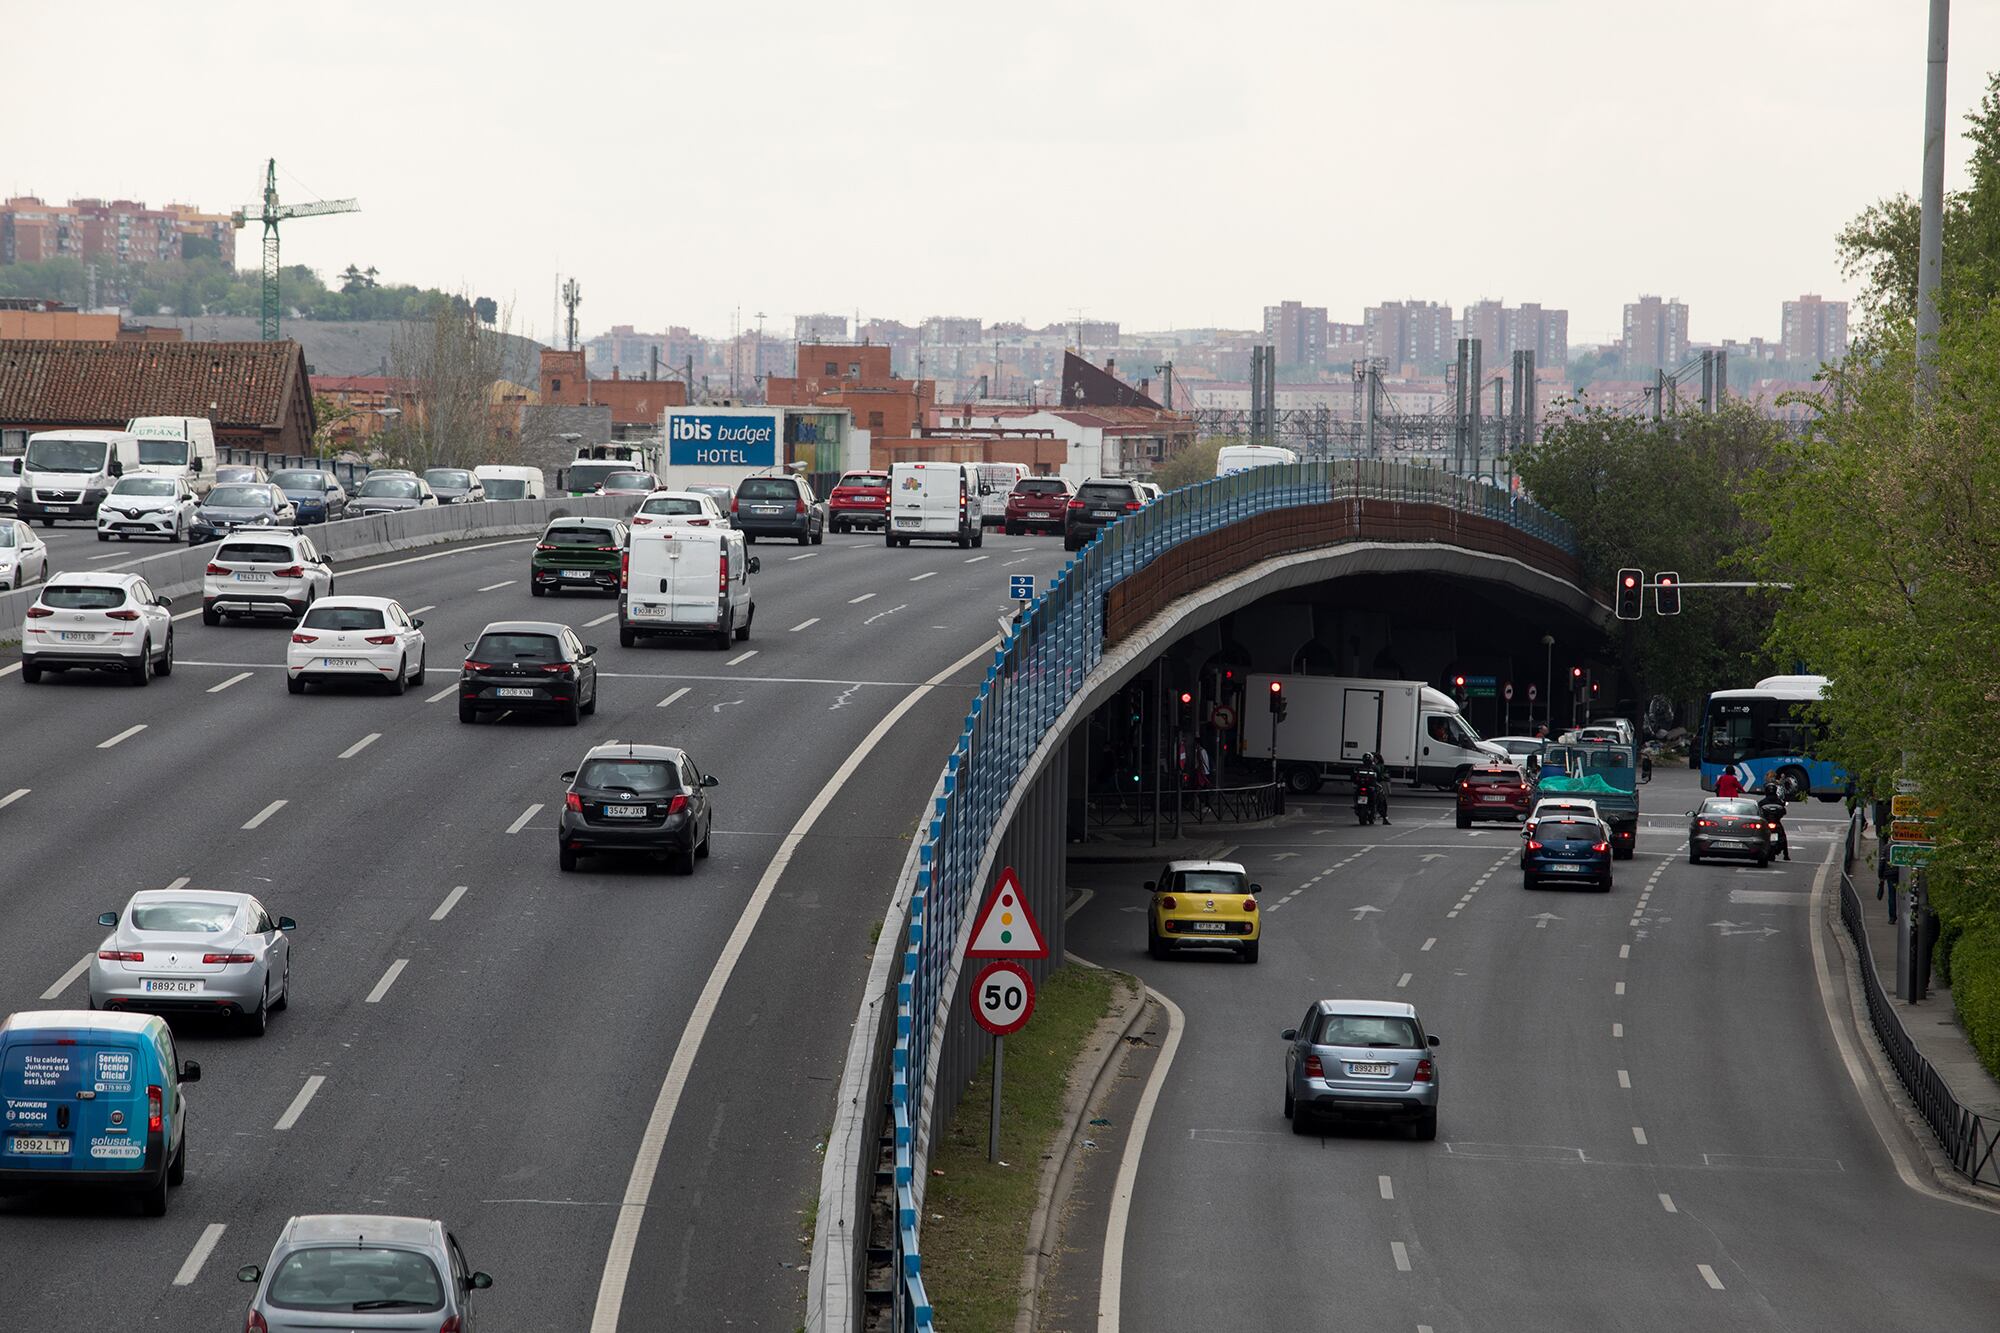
[[872, 481], [1107, 494], [576, 536], [673, 504], [631, 481], [639, 775], [1730, 807], [1389, 1032], [517, 648], [505, 488], [389, 488], [256, 553], [195, 918], [240, 497], [1493, 775], [356, 1277], [223, 474], [82, 597], [301, 481], [1040, 486], [343, 617], [448, 476], [144, 486], [767, 488], [1568, 830], [1207, 881]]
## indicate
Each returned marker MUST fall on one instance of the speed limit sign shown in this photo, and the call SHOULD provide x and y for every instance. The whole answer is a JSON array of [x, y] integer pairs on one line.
[[1003, 997]]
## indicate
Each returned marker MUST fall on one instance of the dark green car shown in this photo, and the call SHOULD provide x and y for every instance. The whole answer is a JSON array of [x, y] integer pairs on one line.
[[587, 554]]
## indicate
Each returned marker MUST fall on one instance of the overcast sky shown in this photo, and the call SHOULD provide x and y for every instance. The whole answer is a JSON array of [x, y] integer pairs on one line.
[[1163, 164]]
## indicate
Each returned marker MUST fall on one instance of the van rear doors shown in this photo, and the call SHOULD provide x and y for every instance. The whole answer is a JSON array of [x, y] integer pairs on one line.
[[76, 1101]]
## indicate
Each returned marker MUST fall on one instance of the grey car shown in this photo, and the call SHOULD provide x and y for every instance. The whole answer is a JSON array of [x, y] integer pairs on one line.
[[388, 493], [1361, 1060], [455, 485], [233, 473], [241, 505], [187, 951], [355, 1271]]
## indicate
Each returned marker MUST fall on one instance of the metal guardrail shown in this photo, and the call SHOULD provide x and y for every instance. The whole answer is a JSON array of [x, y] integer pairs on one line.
[[1045, 659], [349, 474], [1968, 1138]]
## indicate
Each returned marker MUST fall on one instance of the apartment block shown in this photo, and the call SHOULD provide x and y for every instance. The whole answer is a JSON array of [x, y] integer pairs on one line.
[[820, 329], [1814, 331], [1298, 332], [117, 231], [1418, 334], [1656, 335]]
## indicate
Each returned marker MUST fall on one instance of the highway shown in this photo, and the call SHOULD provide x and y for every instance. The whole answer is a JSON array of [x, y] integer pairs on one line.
[[476, 1037], [1646, 1122]]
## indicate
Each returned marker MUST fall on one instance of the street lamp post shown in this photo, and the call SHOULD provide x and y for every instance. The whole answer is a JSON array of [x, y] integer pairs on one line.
[[1549, 680]]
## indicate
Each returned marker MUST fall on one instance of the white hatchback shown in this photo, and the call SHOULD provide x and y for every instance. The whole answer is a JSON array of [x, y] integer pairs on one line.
[[142, 505], [356, 638], [685, 509], [24, 557], [98, 622], [1560, 805], [267, 573]]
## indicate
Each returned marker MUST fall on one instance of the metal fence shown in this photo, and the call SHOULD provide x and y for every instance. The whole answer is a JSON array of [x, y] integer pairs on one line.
[[349, 474], [1968, 1138], [1180, 806], [1038, 669]]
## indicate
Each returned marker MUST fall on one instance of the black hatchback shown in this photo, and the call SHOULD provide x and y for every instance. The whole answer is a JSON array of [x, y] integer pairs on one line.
[[636, 798], [778, 507], [528, 666], [1098, 504]]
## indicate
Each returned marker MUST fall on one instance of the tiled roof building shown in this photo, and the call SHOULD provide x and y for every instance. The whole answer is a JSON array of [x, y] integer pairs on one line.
[[256, 393]]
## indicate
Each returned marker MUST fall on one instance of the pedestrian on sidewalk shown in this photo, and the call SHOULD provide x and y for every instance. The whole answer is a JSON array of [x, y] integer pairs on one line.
[[1888, 879]]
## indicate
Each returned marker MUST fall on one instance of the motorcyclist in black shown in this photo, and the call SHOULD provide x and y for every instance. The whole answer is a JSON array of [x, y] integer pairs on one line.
[[1370, 773], [1772, 805]]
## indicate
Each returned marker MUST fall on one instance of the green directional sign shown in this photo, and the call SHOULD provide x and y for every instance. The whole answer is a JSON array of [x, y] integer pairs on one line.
[[1911, 853]]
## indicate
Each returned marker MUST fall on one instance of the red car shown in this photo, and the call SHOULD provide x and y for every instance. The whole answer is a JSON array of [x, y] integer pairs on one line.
[[1498, 791], [859, 500], [1037, 502]]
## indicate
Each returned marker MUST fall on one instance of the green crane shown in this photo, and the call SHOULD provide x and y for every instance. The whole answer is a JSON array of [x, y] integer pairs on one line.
[[270, 215]]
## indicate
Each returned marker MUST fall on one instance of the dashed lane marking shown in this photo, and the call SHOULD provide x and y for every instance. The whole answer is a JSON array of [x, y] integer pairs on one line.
[[124, 735], [63, 982], [361, 745], [1708, 1276], [388, 980], [238, 677], [14, 796], [1401, 1253], [495, 587], [300, 1102], [450, 901], [675, 695], [257, 820], [204, 1246], [805, 624], [526, 815]]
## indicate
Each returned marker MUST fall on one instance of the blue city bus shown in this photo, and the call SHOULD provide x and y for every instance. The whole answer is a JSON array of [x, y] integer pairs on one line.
[[1763, 729]]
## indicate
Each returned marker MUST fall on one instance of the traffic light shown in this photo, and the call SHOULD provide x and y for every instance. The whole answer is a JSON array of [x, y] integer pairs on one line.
[[1277, 701], [1667, 593], [1458, 687], [1631, 594], [1186, 698], [1593, 689]]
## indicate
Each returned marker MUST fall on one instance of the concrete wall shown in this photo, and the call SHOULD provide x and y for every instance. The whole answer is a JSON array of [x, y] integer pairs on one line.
[[177, 572]]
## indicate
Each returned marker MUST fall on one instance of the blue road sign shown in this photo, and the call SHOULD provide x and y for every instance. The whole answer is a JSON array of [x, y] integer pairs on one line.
[[1021, 587]]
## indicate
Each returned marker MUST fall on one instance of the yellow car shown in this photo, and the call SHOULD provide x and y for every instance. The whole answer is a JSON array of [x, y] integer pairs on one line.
[[1203, 905]]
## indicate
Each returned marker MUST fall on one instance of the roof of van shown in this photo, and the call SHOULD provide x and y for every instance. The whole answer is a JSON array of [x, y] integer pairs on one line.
[[87, 1020], [104, 435], [505, 470]]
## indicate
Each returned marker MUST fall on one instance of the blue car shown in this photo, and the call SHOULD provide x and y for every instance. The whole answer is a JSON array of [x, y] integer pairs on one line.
[[92, 1100], [317, 495], [1572, 848]]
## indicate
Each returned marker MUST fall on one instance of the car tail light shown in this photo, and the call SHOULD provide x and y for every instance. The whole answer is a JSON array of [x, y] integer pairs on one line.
[[678, 805], [314, 638], [1600, 846], [624, 568], [1076, 504], [255, 1324], [450, 1325], [122, 615], [121, 955], [471, 665], [1249, 904], [641, 521], [379, 639], [214, 568], [229, 958], [557, 668], [289, 572], [1423, 1074], [801, 506], [722, 572], [1314, 1069], [1131, 505], [697, 522], [1167, 903], [1704, 823], [604, 548], [1533, 845], [573, 801], [37, 612], [153, 1108], [1464, 786], [733, 504], [544, 546]]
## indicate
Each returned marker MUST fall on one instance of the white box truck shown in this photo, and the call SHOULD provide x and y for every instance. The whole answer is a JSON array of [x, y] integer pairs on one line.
[[1331, 721], [181, 447]]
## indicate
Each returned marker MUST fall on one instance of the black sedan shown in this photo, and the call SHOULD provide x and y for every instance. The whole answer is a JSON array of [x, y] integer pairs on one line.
[[528, 666], [1729, 826], [317, 496], [649, 799], [232, 505]]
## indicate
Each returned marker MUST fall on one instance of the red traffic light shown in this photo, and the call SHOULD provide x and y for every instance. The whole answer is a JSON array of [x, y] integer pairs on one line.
[[1631, 580], [1277, 687], [1575, 673], [1186, 698], [1667, 580]]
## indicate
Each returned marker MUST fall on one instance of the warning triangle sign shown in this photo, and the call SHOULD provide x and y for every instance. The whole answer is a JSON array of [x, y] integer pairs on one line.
[[1006, 928]]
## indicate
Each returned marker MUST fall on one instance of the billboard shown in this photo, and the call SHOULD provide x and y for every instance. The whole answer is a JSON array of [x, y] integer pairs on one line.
[[722, 439]]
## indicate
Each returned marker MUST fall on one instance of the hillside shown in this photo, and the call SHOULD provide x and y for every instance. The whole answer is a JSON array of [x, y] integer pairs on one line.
[[334, 348]]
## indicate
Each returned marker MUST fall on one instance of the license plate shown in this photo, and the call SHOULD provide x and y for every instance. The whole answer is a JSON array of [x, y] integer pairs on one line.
[[1371, 1067], [1493, 798], [770, 509], [1211, 927], [1104, 513], [1574, 870], [576, 573], [342, 661], [1727, 842], [1041, 513], [158, 986], [513, 694], [37, 1146], [625, 811], [909, 522], [644, 611], [57, 509], [78, 636], [251, 577]]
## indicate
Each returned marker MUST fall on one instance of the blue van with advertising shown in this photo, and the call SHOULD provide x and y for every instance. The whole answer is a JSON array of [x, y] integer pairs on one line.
[[92, 1100]]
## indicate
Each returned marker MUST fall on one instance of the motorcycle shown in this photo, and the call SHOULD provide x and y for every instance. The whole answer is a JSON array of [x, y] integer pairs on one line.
[[1364, 797]]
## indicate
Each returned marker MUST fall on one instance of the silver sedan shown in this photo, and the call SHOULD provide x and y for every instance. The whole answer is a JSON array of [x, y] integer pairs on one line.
[[188, 951]]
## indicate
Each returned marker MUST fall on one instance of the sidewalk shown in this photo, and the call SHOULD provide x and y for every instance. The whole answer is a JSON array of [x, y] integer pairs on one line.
[[1933, 1023]]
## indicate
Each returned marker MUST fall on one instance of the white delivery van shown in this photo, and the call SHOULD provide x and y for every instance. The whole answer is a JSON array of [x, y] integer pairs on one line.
[[1331, 721], [935, 502], [1243, 457], [511, 483], [181, 447], [65, 474], [998, 480], [686, 582]]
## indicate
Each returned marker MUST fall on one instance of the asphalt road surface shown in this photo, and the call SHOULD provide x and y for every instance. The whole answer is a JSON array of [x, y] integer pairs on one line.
[[1645, 1119], [475, 1036]]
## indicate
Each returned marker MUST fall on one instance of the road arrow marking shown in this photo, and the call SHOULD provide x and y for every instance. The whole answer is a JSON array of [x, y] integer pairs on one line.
[[1363, 910], [1542, 919], [1729, 925], [1284, 856], [1434, 856], [1763, 933]]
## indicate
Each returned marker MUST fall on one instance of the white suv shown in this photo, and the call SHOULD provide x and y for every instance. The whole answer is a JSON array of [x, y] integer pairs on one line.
[[268, 573], [146, 505], [98, 622]]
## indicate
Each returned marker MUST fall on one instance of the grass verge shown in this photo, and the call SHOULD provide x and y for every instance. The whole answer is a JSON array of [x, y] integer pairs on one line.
[[975, 1213]]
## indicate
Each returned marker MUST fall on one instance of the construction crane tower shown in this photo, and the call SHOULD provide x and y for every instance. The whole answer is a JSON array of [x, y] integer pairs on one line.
[[270, 215]]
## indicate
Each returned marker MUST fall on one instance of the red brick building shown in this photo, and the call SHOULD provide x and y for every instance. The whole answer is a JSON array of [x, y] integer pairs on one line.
[[122, 231], [635, 405], [257, 394], [858, 377]]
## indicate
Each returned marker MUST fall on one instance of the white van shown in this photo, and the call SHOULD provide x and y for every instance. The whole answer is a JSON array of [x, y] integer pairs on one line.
[[181, 447], [511, 483], [686, 582], [936, 502], [65, 474], [1243, 457], [998, 479]]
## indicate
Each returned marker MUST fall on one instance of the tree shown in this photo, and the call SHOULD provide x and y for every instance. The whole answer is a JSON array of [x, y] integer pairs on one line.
[[1192, 464], [452, 365]]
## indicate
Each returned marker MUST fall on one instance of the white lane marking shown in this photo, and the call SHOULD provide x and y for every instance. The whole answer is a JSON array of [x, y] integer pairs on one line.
[[178, 882], [1624, 951], [444, 693], [239, 676], [653, 1143], [1403, 981], [204, 1246], [495, 587], [741, 657], [14, 796], [806, 556], [109, 555], [1638, 1136], [1617, 1029], [185, 615], [1667, 1202], [419, 610], [1708, 1276], [10, 669], [124, 735], [1388, 1190], [1018, 549], [388, 980], [1618, 989], [977, 558], [805, 624], [675, 695], [525, 816], [300, 1102], [1082, 896], [1110, 1281], [450, 901], [927, 574], [856, 601], [361, 745], [1427, 944], [1401, 1253], [593, 624], [62, 982], [1624, 1078], [264, 814]]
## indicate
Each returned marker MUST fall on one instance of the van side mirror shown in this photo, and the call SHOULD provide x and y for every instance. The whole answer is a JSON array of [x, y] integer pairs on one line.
[[117, 469], [755, 565], [194, 465], [107, 918], [250, 1273], [479, 1282], [191, 1072], [710, 780], [1434, 1041], [569, 776], [590, 650], [286, 923]]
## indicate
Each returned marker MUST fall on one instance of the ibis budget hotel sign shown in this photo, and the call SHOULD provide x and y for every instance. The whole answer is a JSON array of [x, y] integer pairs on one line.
[[722, 439]]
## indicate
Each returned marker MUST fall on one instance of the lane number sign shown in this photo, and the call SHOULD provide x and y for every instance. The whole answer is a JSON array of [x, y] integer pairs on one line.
[[1003, 997]]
